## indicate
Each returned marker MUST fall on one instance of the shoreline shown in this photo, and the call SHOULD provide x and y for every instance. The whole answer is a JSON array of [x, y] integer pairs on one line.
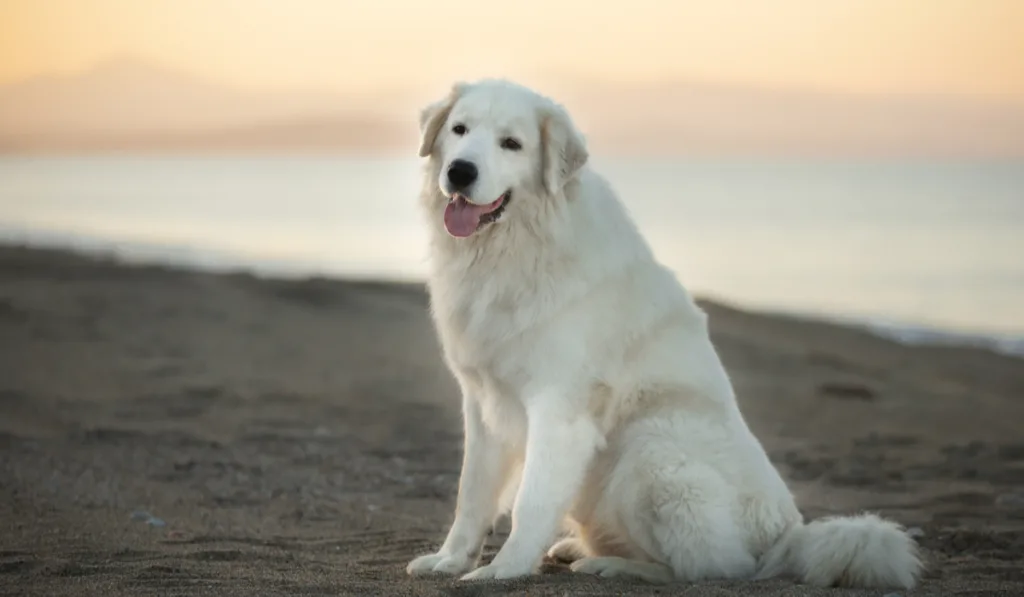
[[214, 261]]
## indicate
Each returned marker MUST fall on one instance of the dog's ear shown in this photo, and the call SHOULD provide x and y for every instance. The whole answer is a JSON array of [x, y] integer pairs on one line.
[[433, 117], [563, 149]]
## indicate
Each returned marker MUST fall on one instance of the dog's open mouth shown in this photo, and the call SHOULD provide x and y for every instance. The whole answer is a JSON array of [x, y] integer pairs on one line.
[[462, 218]]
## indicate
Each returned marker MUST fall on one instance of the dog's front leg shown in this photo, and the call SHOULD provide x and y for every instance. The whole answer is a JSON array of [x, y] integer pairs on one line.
[[485, 468], [559, 447]]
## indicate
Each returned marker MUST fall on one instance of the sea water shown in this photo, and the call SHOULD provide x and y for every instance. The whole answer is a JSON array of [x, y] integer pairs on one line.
[[926, 251]]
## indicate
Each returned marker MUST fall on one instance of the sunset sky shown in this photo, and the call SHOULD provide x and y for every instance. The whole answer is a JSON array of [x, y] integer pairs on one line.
[[973, 47]]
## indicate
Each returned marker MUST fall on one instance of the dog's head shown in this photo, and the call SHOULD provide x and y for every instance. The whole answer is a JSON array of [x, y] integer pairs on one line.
[[498, 151]]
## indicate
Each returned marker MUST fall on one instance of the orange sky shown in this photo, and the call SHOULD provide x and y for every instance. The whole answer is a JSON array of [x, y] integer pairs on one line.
[[949, 46]]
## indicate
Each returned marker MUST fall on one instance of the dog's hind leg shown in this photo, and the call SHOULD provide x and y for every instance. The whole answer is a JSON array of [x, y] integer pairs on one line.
[[695, 531], [678, 522]]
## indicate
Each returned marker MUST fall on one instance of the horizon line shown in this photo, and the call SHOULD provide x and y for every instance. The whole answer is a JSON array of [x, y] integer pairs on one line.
[[540, 74]]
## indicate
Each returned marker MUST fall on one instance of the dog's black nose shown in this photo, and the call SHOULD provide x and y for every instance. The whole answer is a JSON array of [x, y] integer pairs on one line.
[[462, 173]]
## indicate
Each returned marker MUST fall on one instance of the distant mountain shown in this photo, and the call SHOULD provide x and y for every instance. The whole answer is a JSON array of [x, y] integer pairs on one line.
[[343, 134], [134, 105], [715, 118], [131, 105], [127, 96]]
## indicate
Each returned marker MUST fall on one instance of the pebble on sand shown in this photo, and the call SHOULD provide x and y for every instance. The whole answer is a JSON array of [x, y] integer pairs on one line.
[[143, 516]]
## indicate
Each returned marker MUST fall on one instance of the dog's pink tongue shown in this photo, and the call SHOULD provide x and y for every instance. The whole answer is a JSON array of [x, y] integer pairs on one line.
[[462, 217]]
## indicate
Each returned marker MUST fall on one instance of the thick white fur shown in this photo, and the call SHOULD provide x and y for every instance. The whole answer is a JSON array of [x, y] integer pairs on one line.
[[592, 395]]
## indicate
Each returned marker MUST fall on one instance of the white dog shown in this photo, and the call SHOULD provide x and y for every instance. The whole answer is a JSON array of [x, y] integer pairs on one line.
[[591, 392]]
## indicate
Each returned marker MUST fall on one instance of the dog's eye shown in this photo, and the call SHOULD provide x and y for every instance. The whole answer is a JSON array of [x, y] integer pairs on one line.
[[511, 144], [459, 129]]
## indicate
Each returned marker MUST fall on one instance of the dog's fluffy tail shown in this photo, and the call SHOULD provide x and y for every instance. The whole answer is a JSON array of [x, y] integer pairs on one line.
[[853, 551]]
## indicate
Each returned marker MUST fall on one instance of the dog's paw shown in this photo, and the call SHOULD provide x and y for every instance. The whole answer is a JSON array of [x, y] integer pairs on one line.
[[569, 549], [497, 572], [607, 567], [438, 563], [610, 567]]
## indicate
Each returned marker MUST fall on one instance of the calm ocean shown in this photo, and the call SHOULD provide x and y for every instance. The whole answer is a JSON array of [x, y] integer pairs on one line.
[[923, 249]]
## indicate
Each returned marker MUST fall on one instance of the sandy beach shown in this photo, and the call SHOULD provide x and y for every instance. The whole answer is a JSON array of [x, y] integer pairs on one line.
[[170, 432]]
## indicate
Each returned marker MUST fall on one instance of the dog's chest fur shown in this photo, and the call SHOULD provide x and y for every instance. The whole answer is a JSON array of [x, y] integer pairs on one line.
[[493, 333]]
